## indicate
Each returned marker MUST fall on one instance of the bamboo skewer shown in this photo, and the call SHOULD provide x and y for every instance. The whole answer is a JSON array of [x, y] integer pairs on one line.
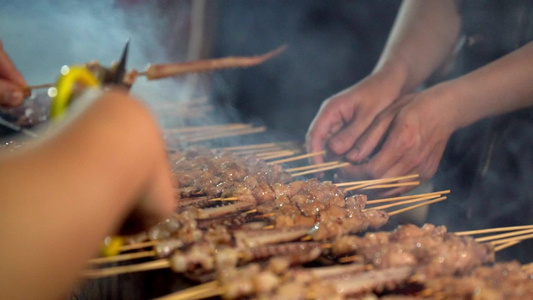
[[375, 181], [227, 134], [391, 185], [505, 246], [516, 238], [284, 153], [348, 259], [306, 238], [152, 265], [256, 152], [138, 246], [407, 197], [40, 86], [527, 266], [122, 257], [225, 199], [491, 230], [321, 169], [190, 293], [251, 211], [214, 131], [195, 129], [370, 185], [399, 211], [304, 168], [266, 215], [503, 235], [400, 203], [297, 157], [246, 147]]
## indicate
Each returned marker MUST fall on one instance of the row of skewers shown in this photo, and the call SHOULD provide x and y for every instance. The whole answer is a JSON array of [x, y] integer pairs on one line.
[[248, 229]]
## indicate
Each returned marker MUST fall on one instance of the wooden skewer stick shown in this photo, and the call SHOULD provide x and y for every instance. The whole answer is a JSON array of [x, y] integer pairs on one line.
[[527, 266], [491, 230], [262, 151], [516, 238], [400, 203], [152, 265], [251, 211], [268, 227], [349, 258], [393, 199], [274, 153], [388, 186], [225, 199], [265, 215], [297, 157], [320, 169], [177, 69], [284, 153], [40, 86], [370, 185], [399, 211], [503, 235], [138, 246], [206, 128], [505, 246], [213, 132], [122, 257], [227, 134], [326, 246], [245, 147], [216, 133], [375, 181], [331, 163]]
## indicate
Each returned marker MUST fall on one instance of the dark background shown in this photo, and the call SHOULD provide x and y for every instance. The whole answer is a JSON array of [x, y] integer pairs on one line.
[[331, 45]]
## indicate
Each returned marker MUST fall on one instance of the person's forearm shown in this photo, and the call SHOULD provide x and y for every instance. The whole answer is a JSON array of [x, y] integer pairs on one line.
[[423, 36], [502, 86], [62, 197]]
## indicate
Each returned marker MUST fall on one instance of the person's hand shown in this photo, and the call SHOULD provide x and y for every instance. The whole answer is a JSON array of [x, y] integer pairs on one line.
[[345, 116], [11, 82], [413, 130]]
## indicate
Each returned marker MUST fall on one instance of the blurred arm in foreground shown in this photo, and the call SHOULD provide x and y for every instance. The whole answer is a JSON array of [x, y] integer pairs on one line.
[[64, 194]]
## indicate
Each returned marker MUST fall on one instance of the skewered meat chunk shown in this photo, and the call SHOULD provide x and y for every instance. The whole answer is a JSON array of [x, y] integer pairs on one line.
[[199, 255], [434, 251], [501, 281], [206, 172]]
